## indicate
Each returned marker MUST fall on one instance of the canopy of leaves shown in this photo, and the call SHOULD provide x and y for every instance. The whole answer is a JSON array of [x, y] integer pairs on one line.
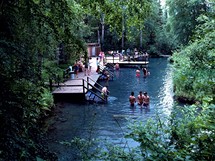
[[182, 18]]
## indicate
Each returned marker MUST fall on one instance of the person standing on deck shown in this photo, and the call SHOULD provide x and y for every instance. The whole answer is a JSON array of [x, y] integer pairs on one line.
[[90, 65], [132, 99], [86, 72], [98, 65], [75, 66]]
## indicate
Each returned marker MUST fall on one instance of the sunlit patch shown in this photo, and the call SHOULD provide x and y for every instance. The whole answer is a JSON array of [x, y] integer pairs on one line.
[[166, 93]]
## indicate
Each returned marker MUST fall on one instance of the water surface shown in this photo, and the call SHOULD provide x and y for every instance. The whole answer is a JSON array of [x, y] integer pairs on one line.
[[109, 121]]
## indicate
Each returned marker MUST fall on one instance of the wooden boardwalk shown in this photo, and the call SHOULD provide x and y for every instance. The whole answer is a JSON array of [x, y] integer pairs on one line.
[[115, 60], [76, 85], [76, 89], [73, 89]]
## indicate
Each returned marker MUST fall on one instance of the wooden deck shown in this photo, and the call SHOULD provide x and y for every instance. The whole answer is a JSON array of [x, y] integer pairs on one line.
[[76, 85], [115, 60], [72, 89]]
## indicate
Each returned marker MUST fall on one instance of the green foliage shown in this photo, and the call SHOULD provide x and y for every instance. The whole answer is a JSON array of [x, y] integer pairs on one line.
[[30, 33], [187, 134], [182, 18], [194, 65]]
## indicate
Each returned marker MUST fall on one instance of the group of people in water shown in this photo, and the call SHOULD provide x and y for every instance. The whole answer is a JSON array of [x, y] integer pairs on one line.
[[145, 72], [142, 99]]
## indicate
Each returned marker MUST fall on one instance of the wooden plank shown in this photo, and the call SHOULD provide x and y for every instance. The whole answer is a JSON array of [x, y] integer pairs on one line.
[[125, 62], [73, 86]]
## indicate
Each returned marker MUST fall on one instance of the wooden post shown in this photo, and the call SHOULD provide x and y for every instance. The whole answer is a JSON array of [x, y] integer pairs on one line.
[[50, 84], [64, 74], [87, 83], [58, 80], [83, 86]]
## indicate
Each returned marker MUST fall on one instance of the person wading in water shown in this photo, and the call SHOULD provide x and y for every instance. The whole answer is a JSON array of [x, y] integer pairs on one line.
[[132, 99]]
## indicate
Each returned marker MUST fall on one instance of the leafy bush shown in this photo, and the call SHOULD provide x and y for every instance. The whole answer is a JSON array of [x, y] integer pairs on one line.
[[194, 65], [187, 134]]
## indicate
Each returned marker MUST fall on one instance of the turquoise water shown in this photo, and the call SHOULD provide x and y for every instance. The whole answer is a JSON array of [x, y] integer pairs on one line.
[[109, 122]]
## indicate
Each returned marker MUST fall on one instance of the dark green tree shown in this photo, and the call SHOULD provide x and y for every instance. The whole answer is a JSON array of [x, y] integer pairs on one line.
[[30, 32], [182, 18]]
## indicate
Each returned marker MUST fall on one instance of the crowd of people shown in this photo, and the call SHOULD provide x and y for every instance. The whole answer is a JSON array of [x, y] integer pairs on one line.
[[142, 99], [82, 66]]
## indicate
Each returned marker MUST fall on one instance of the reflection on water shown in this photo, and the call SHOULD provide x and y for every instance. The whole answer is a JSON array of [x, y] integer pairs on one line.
[[166, 93], [109, 121]]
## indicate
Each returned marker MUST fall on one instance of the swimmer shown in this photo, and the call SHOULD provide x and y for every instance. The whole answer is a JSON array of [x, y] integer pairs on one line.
[[104, 92], [146, 99], [145, 72], [140, 98], [117, 66], [137, 73], [132, 99]]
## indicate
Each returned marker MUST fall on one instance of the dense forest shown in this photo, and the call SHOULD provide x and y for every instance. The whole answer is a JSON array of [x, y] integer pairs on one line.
[[39, 38]]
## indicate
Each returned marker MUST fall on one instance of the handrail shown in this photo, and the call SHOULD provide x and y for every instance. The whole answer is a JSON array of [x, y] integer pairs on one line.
[[93, 91], [94, 81], [110, 72], [92, 86], [110, 65]]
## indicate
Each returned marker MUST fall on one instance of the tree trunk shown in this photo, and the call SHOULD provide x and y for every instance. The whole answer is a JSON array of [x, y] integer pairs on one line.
[[123, 30], [141, 38], [103, 30], [98, 36]]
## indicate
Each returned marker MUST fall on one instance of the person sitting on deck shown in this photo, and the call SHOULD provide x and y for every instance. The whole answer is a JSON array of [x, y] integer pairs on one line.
[[132, 99]]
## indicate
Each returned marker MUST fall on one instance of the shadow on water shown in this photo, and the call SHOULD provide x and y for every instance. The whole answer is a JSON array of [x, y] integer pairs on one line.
[[109, 121]]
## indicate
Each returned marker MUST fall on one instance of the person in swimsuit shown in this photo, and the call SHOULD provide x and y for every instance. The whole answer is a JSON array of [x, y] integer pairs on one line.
[[86, 71], [76, 68], [140, 98], [132, 99], [145, 72], [105, 92], [146, 99], [90, 65], [117, 66], [137, 73]]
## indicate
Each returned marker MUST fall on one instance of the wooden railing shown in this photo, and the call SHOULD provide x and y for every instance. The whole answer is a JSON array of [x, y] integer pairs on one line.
[[85, 87], [97, 91], [102, 68]]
